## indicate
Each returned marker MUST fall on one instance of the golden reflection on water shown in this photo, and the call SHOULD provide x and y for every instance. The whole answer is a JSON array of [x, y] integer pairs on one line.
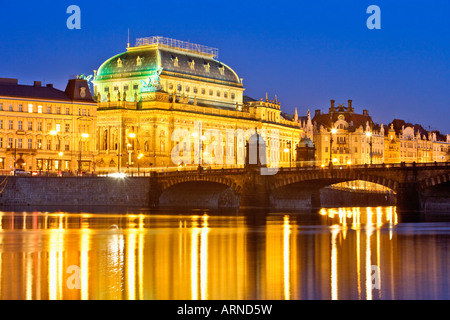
[[328, 255]]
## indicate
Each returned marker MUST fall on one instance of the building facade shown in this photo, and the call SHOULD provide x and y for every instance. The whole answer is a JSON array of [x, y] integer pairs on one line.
[[46, 130], [163, 88]]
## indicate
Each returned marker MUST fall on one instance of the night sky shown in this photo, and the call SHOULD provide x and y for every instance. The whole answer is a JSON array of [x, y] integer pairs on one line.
[[305, 52]]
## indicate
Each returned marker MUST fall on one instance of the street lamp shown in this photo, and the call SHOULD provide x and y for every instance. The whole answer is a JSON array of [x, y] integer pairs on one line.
[[132, 135], [369, 136], [83, 136], [139, 160], [333, 131], [55, 134]]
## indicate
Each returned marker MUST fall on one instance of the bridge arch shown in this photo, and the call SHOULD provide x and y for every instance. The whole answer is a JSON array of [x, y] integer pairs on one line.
[[195, 191], [435, 180], [324, 178]]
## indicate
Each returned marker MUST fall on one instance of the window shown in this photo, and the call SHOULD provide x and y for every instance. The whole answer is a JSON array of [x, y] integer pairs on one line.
[[11, 125], [49, 109], [30, 125], [49, 144], [225, 95], [58, 127], [11, 107], [218, 93], [67, 127], [30, 144], [179, 87], [106, 89], [116, 88], [203, 91], [39, 109], [1, 106], [136, 86], [210, 92], [67, 111], [1, 142], [326, 149], [20, 108], [195, 90], [83, 112], [10, 143], [187, 89], [49, 126], [20, 125], [19, 143], [1, 124], [67, 146], [232, 96], [58, 110], [39, 126], [125, 88], [30, 108], [170, 86], [39, 143]]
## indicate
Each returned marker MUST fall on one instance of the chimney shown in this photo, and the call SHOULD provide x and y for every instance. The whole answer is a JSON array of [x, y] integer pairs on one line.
[[365, 112], [37, 83], [332, 103], [350, 104], [50, 85], [317, 112]]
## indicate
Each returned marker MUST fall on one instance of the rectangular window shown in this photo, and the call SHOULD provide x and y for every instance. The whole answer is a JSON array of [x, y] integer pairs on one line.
[[39, 126], [125, 88], [20, 125], [11, 107], [1, 142], [49, 109], [1, 124], [1, 106], [67, 111], [11, 125], [19, 143], [88, 112], [39, 143], [58, 110], [58, 127], [39, 109], [30, 143], [49, 126], [67, 127], [49, 144], [136, 86], [20, 108], [10, 143], [30, 108], [116, 88], [67, 146], [30, 126], [83, 112], [106, 89]]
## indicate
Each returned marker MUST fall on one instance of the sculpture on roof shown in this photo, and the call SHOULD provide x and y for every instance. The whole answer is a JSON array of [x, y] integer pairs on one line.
[[152, 84]]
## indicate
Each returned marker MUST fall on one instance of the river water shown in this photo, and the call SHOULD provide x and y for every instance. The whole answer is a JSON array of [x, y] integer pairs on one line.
[[342, 253]]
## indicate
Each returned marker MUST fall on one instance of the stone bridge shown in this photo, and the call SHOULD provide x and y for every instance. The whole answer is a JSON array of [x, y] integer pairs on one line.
[[412, 184]]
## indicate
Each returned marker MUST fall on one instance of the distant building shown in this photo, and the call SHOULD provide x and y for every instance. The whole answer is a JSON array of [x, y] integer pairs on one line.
[[42, 128], [344, 137]]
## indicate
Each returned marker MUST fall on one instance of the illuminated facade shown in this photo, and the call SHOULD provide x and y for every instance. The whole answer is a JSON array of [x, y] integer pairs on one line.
[[352, 138], [42, 128], [161, 85]]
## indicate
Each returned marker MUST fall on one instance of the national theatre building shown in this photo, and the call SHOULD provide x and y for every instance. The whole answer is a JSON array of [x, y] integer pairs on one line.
[[165, 95]]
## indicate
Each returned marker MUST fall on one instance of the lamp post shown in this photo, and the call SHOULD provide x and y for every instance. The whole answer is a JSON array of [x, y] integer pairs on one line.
[[369, 136], [139, 160], [55, 134], [83, 136], [132, 135], [333, 131]]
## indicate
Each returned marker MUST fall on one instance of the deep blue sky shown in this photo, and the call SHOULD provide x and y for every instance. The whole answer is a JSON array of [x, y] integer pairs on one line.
[[305, 52]]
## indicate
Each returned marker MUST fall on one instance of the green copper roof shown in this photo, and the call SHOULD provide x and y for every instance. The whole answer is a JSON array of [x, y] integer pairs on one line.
[[146, 60]]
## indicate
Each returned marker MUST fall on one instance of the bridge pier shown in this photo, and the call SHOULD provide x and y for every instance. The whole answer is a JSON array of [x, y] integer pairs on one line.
[[408, 198], [155, 191], [255, 192]]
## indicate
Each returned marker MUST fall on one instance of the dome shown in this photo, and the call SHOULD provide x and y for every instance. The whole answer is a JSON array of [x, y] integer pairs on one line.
[[306, 142], [145, 60]]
